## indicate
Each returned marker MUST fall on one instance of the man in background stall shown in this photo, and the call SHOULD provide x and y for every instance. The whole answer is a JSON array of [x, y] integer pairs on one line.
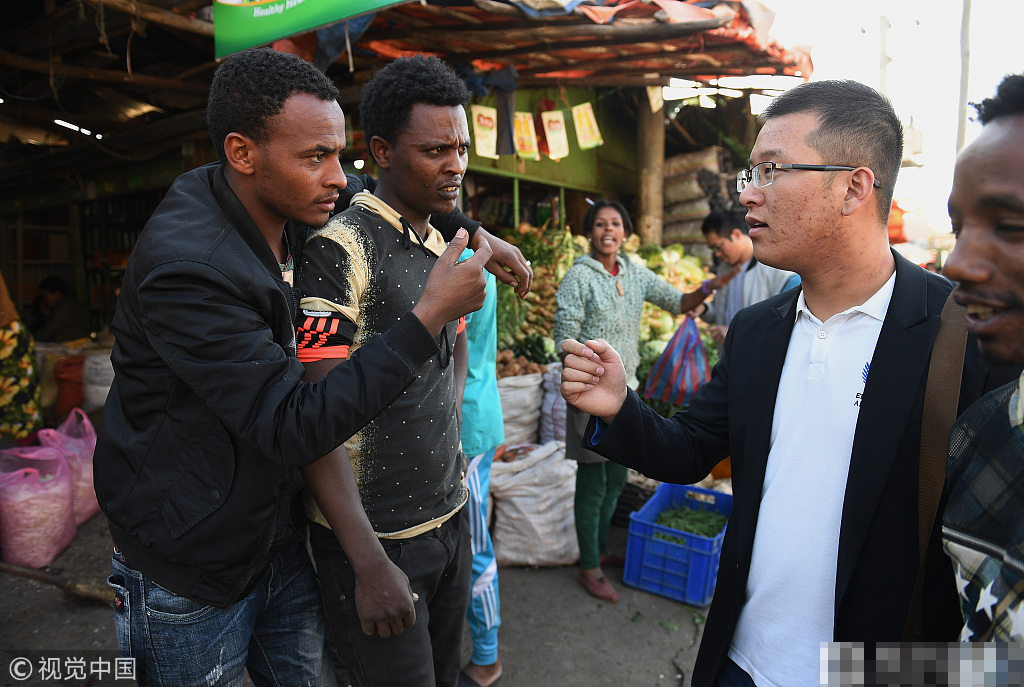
[[726, 234]]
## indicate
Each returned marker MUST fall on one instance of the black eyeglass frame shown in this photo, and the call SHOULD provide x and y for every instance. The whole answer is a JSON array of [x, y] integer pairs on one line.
[[746, 176]]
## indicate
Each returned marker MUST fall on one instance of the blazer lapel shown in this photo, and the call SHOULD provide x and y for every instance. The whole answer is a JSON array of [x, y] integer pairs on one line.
[[897, 368], [760, 364]]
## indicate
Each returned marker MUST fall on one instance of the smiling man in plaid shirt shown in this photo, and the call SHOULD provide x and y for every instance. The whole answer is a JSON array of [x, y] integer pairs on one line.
[[983, 526]]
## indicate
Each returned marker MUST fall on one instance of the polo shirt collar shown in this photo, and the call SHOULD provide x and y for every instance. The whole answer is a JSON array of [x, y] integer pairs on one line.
[[875, 307]]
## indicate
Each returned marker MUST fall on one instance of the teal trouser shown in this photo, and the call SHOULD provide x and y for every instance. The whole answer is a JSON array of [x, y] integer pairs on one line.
[[598, 486]]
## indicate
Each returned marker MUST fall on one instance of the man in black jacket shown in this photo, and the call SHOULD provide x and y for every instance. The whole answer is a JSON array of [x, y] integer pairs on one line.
[[208, 418], [818, 399]]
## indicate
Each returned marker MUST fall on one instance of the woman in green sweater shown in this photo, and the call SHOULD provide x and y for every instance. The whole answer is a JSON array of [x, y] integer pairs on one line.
[[602, 297]]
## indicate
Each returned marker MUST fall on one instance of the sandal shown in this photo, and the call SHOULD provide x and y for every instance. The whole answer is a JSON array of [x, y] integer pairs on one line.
[[599, 588]]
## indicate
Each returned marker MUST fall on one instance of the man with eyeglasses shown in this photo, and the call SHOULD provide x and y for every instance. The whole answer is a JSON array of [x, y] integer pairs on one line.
[[818, 400], [726, 235]]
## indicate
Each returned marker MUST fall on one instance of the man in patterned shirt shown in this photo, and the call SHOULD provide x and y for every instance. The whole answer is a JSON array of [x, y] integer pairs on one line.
[[359, 275], [983, 526]]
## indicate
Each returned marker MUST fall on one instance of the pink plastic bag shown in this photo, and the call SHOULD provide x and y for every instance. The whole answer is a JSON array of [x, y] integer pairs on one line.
[[36, 512], [76, 440]]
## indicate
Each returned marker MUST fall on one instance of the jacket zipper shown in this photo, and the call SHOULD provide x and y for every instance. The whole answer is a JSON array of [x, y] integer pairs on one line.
[[985, 547], [270, 540]]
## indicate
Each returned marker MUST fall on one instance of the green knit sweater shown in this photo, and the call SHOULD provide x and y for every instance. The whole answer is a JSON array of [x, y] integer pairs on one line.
[[591, 307]]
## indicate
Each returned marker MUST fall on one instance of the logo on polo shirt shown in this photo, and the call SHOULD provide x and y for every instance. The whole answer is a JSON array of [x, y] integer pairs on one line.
[[864, 378]]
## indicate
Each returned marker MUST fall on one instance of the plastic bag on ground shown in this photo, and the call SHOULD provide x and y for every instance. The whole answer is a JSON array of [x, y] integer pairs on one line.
[[76, 440], [36, 513]]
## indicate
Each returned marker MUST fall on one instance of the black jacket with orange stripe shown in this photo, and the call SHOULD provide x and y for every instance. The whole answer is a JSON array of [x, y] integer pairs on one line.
[[208, 419]]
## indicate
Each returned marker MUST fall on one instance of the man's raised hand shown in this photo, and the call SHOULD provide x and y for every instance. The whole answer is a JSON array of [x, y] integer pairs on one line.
[[593, 378], [453, 288]]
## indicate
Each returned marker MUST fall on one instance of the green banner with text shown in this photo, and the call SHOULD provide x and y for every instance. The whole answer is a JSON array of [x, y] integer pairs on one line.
[[241, 25]]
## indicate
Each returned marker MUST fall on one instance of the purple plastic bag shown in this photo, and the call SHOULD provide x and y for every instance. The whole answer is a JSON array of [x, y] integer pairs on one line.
[[76, 440], [36, 511]]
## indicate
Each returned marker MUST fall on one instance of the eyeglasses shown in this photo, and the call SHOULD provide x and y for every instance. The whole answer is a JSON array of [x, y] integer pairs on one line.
[[717, 247], [763, 173]]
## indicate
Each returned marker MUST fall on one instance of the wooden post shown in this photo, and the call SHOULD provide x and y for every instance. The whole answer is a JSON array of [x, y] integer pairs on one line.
[[650, 145], [965, 69]]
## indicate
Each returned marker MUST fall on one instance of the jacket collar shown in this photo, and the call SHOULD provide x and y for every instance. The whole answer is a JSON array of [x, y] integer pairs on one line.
[[593, 263], [243, 223]]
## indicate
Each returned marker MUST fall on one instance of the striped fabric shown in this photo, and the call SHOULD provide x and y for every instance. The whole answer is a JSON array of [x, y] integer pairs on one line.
[[681, 368], [322, 335]]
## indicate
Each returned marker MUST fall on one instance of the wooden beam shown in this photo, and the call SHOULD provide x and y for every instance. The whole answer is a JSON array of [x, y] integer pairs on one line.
[[660, 80], [158, 16], [50, 32], [210, 67], [732, 70], [538, 30], [555, 47], [453, 14], [499, 8], [101, 75], [401, 19], [187, 6], [677, 71], [650, 189], [618, 62], [685, 134], [561, 31], [544, 47]]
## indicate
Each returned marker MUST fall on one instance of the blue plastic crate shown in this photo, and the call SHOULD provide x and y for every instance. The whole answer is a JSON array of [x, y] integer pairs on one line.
[[684, 572]]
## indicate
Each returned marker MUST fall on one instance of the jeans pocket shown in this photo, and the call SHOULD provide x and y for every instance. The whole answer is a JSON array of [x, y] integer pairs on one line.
[[453, 531], [122, 612], [166, 606]]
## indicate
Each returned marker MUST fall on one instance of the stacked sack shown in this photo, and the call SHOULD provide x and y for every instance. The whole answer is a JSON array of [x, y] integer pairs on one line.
[[533, 489], [519, 386], [552, 409]]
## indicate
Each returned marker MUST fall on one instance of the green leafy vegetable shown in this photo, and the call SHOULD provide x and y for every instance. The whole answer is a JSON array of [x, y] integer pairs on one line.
[[703, 523]]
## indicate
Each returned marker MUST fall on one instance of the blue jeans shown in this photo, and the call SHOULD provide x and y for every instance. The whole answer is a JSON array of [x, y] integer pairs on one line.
[[277, 631], [428, 654], [484, 614]]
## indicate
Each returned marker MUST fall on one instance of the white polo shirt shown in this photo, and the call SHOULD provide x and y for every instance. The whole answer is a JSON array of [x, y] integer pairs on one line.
[[790, 607]]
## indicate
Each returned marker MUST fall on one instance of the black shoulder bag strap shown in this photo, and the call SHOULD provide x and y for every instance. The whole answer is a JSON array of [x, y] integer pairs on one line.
[[941, 396]]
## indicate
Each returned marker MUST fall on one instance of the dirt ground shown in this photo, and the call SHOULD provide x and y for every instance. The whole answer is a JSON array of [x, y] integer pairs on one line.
[[552, 632]]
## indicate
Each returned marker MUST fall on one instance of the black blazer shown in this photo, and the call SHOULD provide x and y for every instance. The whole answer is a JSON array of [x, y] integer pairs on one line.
[[878, 559]]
